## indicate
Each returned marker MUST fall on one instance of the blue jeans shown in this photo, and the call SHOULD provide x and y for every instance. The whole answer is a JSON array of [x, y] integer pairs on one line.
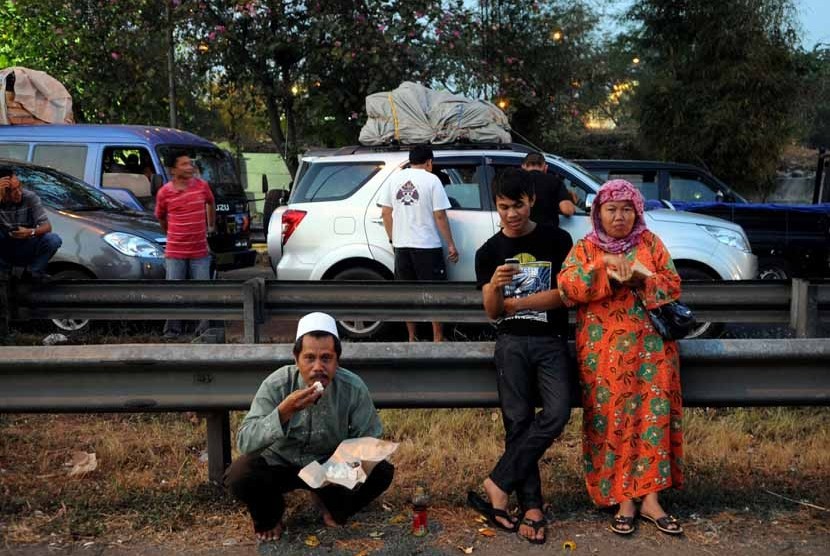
[[33, 252], [184, 269], [530, 369]]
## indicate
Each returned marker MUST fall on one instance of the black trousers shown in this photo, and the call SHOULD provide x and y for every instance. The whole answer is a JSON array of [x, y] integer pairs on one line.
[[530, 369], [261, 487]]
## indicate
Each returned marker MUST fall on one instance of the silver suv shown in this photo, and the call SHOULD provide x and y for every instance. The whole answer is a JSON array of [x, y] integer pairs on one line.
[[331, 228]]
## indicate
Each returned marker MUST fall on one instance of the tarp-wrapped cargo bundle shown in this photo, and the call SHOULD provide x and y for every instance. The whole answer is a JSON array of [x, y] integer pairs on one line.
[[33, 97], [413, 114]]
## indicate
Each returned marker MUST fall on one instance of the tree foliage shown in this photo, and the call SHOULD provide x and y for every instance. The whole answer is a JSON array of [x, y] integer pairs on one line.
[[538, 60], [816, 107], [719, 84], [109, 54], [313, 62]]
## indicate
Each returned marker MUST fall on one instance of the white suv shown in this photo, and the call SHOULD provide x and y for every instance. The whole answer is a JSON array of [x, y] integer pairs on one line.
[[331, 228]]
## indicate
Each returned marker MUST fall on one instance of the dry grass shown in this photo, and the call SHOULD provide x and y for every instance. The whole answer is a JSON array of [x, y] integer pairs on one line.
[[152, 481]]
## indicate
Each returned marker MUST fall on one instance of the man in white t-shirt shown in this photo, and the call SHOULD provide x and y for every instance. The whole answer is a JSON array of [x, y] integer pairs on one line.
[[415, 217]]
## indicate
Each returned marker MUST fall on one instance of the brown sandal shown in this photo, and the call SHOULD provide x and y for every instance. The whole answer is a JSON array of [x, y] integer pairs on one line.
[[623, 524], [667, 524]]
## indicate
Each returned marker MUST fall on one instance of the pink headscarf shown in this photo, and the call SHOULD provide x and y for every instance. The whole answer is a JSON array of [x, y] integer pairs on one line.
[[617, 190]]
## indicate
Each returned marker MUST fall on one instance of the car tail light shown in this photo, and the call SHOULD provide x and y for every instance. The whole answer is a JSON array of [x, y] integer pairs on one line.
[[290, 220]]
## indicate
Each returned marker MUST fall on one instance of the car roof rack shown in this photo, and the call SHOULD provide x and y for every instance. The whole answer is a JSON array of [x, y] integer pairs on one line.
[[397, 147]]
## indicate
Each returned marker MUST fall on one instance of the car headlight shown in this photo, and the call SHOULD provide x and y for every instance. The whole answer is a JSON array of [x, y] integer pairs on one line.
[[133, 246], [729, 237]]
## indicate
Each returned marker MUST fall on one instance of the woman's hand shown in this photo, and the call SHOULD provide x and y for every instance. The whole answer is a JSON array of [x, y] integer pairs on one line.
[[640, 271], [617, 267]]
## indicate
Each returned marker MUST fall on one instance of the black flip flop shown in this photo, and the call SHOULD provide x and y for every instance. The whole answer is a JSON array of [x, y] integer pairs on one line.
[[482, 506], [622, 524], [534, 524], [664, 524]]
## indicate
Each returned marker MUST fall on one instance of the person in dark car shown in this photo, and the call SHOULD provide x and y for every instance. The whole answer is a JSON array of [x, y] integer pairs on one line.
[[26, 237]]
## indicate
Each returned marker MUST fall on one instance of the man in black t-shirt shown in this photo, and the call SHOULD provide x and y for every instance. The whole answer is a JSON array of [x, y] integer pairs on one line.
[[531, 355], [552, 197]]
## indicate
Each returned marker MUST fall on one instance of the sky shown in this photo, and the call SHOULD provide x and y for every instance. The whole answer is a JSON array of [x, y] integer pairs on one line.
[[815, 20]]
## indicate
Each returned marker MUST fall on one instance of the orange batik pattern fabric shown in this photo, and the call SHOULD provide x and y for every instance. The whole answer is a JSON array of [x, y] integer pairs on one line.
[[632, 435]]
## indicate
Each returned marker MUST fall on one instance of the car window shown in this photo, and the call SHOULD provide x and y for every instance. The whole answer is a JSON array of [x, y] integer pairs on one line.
[[211, 164], [60, 191], [127, 160], [462, 183], [66, 158], [575, 188], [686, 186], [14, 151], [645, 181], [332, 181]]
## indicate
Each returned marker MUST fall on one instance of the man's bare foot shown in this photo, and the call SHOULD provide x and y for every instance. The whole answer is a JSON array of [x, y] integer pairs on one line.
[[271, 535], [328, 519], [537, 533], [499, 500]]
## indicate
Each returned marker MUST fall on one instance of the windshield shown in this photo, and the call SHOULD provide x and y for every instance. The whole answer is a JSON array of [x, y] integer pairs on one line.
[[63, 192], [212, 165]]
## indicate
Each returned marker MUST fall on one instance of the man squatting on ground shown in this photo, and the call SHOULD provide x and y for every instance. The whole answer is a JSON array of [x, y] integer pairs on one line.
[[291, 423], [531, 354], [414, 211], [26, 237]]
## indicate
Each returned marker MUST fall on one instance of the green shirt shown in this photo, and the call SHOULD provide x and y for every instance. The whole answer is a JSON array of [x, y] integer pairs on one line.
[[344, 411]]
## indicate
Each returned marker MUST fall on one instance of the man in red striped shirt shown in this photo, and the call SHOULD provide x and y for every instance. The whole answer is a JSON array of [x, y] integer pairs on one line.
[[187, 213]]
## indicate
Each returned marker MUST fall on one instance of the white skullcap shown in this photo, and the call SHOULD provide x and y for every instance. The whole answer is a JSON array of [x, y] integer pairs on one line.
[[316, 322]]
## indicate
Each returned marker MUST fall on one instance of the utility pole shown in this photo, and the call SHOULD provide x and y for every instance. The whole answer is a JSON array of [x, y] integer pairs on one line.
[[171, 65]]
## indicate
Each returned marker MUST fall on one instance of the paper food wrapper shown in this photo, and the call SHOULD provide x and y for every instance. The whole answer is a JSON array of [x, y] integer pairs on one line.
[[350, 463]]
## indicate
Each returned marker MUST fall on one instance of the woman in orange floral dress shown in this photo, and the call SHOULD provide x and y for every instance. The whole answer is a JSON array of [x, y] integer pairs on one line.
[[632, 439]]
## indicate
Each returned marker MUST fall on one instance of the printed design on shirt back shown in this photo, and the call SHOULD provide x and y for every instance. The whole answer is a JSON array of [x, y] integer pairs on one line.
[[533, 277], [407, 194]]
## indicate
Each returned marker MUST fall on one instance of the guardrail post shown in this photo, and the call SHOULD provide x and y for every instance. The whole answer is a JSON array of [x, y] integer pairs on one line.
[[218, 445], [804, 315], [253, 300]]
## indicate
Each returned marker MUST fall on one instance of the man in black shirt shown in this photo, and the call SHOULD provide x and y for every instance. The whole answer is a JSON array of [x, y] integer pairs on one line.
[[552, 197], [531, 355]]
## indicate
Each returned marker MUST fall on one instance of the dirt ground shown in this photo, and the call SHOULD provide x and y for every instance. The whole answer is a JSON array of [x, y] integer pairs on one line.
[[384, 531]]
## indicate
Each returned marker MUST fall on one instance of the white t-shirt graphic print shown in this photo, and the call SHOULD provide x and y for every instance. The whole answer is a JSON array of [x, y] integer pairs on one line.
[[414, 194]]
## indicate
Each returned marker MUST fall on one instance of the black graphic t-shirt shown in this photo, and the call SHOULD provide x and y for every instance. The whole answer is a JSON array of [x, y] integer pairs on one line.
[[541, 254]]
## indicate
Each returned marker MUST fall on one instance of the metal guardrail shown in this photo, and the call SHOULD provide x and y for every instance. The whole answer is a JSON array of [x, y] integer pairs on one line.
[[219, 378], [802, 304]]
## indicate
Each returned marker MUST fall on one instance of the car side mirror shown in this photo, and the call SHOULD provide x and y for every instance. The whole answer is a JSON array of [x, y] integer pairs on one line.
[[264, 183], [156, 182], [589, 200], [719, 196]]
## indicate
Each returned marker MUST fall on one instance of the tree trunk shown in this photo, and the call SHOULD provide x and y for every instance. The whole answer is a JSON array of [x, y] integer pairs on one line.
[[277, 136]]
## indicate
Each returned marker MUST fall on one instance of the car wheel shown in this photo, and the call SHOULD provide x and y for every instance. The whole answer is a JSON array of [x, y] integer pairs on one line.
[[360, 329], [71, 325], [773, 269], [703, 329]]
